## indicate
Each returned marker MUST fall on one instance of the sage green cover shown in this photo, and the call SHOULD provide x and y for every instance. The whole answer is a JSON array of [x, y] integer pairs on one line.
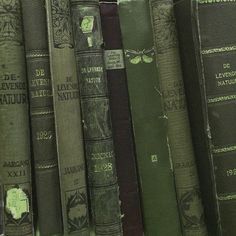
[[15, 172], [160, 211], [67, 119], [180, 139]]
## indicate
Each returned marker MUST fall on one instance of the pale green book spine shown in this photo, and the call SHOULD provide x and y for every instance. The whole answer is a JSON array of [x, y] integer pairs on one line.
[[67, 119], [179, 134], [15, 171]]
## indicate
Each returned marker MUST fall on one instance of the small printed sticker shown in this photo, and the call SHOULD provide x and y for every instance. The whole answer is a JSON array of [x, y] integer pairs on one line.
[[114, 59]]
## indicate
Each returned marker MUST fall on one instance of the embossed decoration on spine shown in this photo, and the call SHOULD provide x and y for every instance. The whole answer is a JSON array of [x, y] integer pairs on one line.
[[174, 101], [62, 30], [14, 124], [10, 22]]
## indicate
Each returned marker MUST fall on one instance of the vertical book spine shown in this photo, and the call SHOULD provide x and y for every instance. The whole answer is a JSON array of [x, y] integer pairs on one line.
[[217, 49], [14, 124], [121, 120], [1, 209], [172, 90], [211, 83], [155, 169], [42, 118], [67, 119], [188, 35], [103, 187]]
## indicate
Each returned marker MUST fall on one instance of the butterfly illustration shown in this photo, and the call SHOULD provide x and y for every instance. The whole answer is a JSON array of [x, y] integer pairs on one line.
[[140, 56]]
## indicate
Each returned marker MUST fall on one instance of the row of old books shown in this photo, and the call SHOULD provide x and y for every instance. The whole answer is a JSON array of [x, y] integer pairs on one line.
[[117, 118]]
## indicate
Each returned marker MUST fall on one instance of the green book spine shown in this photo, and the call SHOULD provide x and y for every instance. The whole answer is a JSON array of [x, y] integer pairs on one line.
[[14, 124], [42, 118], [179, 133], [103, 187], [160, 209], [67, 119]]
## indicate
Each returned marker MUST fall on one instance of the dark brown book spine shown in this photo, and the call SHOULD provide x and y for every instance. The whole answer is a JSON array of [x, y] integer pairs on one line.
[[121, 121], [208, 58], [42, 118]]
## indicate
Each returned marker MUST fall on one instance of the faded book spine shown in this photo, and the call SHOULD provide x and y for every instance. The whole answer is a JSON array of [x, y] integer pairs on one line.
[[158, 194], [1, 209], [67, 119], [42, 118], [103, 187], [121, 121], [179, 133], [14, 124]]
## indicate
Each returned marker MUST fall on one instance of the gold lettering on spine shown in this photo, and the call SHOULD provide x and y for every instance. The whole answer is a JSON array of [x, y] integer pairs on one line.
[[41, 93], [44, 135], [39, 72], [94, 69], [227, 77]]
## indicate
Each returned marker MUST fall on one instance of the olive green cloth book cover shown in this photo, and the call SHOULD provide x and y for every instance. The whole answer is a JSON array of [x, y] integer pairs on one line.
[[48, 214], [175, 108], [68, 122], [97, 127], [160, 210], [15, 152]]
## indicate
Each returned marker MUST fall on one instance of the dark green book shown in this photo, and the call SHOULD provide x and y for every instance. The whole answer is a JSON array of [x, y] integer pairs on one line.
[[15, 153], [160, 210], [42, 118], [208, 51], [67, 119], [98, 137], [179, 133]]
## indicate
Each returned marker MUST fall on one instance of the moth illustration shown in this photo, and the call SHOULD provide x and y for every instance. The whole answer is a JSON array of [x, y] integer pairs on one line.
[[140, 56]]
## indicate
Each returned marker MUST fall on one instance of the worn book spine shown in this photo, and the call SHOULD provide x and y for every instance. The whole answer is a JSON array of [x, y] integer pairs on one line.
[[42, 118], [103, 187], [14, 124], [158, 194], [180, 140], [121, 121], [212, 41], [67, 119], [1, 209]]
